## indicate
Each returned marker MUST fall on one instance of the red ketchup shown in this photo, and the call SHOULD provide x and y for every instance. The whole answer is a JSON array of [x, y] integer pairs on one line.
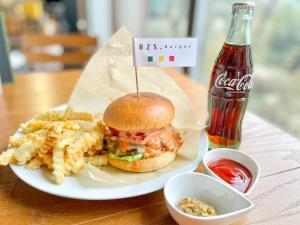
[[234, 173]]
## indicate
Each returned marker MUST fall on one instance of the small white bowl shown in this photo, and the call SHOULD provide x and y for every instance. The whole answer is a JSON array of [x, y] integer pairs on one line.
[[229, 203], [240, 157]]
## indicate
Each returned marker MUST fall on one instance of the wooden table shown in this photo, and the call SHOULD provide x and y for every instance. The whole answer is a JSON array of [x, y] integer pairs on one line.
[[276, 197]]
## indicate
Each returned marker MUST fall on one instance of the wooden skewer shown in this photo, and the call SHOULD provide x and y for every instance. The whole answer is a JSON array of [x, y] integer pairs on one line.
[[136, 82], [135, 70]]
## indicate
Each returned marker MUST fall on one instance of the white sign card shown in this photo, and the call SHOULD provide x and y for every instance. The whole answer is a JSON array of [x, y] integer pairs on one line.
[[164, 52]]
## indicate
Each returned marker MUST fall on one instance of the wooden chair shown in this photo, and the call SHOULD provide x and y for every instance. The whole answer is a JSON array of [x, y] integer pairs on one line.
[[77, 48]]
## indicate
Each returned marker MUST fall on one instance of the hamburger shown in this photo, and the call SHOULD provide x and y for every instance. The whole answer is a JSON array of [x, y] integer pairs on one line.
[[139, 135]]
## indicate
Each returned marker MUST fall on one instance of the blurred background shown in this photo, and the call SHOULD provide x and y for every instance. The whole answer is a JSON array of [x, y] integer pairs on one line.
[[38, 31]]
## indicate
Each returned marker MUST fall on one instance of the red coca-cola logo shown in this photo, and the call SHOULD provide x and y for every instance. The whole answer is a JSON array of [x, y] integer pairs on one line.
[[239, 84]]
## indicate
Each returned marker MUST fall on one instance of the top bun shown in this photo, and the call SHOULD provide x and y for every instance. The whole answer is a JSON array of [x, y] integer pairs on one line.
[[130, 113]]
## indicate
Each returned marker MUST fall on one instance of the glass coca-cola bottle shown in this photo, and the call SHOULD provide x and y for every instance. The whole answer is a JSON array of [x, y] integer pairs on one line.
[[231, 81]]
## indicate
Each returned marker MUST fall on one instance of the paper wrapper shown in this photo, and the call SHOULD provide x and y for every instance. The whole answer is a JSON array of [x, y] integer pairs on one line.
[[109, 75]]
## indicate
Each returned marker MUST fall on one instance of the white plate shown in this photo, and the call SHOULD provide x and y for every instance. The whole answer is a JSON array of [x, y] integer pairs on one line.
[[71, 188]]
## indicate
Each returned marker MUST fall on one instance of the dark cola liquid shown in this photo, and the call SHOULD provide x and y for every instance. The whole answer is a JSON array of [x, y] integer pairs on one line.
[[230, 83]]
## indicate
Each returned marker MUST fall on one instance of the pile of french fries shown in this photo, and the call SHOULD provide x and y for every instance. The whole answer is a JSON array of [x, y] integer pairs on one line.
[[62, 140]]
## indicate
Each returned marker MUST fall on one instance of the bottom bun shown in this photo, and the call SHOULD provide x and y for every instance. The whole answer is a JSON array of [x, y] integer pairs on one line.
[[144, 165]]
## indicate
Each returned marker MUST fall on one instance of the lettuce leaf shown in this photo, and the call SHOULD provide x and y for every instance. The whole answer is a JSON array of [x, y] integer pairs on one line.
[[130, 158]]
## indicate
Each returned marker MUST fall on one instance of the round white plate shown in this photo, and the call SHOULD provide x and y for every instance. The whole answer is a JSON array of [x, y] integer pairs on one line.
[[71, 188]]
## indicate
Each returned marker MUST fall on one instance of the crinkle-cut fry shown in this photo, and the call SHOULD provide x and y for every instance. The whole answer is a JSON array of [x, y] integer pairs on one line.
[[71, 136], [63, 115], [74, 155], [25, 152], [29, 149], [55, 115], [71, 125], [74, 163], [35, 163], [86, 126], [49, 143], [59, 126], [46, 159], [7, 156], [81, 116], [99, 144], [75, 145], [97, 160], [32, 126], [36, 138], [100, 137], [68, 113], [58, 161], [16, 141], [94, 141], [90, 139], [100, 127], [41, 133]]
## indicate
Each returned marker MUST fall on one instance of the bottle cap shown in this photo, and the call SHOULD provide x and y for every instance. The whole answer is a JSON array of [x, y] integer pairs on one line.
[[243, 5]]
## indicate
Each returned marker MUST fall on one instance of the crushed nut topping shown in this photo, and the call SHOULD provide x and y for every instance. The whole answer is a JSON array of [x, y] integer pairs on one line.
[[195, 207]]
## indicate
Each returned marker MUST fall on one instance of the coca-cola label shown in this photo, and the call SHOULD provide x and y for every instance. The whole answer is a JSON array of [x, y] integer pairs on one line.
[[239, 84]]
